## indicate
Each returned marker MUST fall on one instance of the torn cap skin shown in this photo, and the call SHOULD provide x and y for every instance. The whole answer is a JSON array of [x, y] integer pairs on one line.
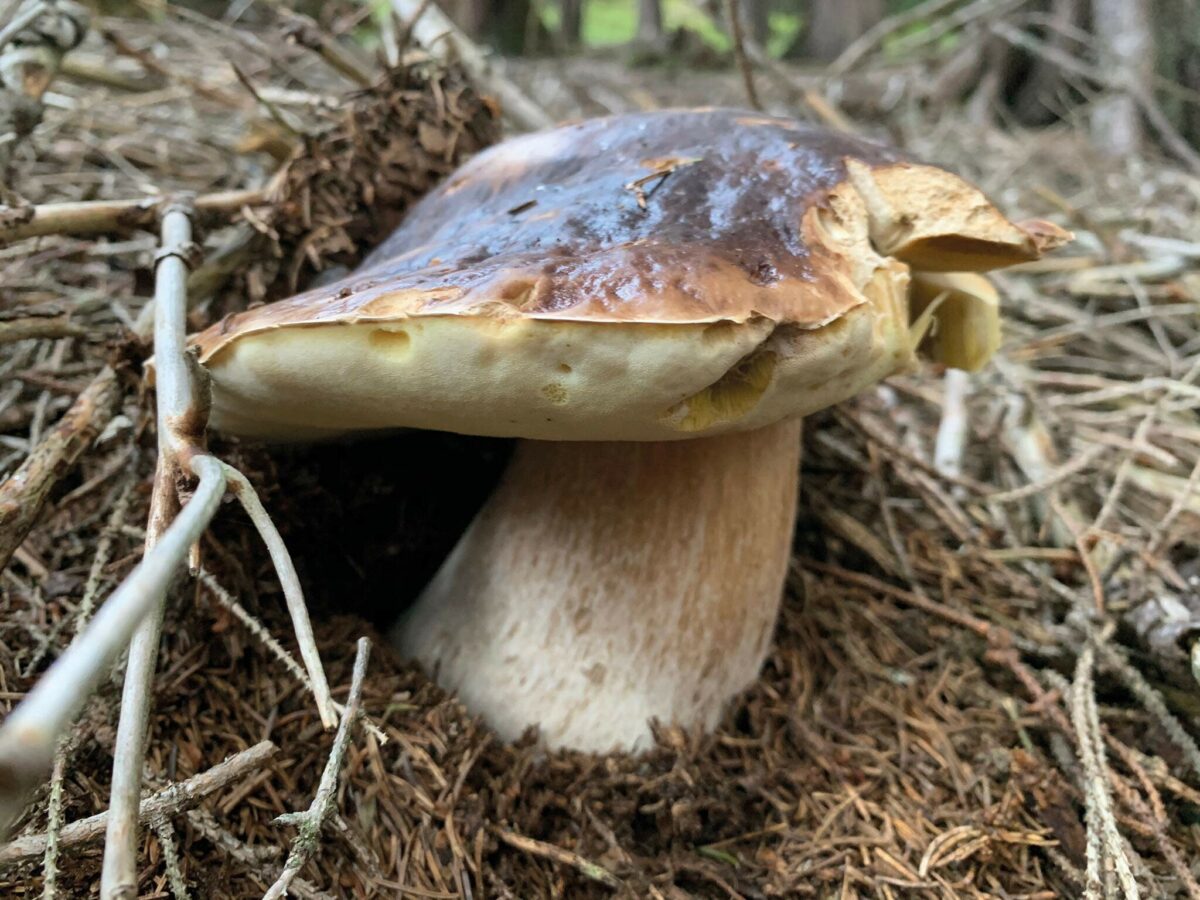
[[651, 301]]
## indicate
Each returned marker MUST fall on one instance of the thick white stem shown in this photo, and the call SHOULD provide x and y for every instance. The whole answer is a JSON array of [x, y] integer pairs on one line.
[[607, 584]]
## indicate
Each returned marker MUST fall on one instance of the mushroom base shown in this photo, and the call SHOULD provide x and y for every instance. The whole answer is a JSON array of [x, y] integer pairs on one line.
[[604, 585]]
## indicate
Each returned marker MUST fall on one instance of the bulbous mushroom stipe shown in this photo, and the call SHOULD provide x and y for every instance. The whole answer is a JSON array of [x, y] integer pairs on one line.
[[651, 302]]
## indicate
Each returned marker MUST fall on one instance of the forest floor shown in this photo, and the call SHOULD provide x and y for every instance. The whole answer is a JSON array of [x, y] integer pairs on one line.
[[977, 647]]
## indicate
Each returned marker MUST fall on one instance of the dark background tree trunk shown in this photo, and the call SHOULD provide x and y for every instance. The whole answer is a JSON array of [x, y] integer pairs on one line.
[[1126, 42], [1177, 39], [502, 24], [830, 25], [650, 21], [756, 19], [572, 22]]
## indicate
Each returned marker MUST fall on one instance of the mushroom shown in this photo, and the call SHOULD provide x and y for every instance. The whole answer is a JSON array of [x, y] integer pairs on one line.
[[650, 303]]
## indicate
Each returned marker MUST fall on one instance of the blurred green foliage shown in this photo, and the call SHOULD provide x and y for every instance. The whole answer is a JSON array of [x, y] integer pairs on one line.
[[611, 23]]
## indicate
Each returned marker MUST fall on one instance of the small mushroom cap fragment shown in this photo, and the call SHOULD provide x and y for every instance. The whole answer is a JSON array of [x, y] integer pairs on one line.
[[966, 308], [652, 276]]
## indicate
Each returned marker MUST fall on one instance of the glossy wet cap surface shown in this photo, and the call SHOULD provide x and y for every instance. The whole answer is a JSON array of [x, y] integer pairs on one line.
[[648, 276]]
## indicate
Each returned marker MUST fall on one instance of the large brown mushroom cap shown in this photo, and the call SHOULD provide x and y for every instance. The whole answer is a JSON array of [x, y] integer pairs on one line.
[[644, 277]]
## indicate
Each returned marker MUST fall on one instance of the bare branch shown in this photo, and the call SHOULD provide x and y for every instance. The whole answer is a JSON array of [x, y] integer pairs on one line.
[[24, 329], [881, 30], [310, 821], [54, 816], [171, 800], [23, 495], [180, 416], [1104, 840], [585, 867], [307, 33], [29, 735], [103, 216], [170, 851], [292, 592], [202, 820]]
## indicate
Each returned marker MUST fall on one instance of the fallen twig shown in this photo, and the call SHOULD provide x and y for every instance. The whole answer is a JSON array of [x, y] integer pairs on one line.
[[54, 820], [22, 17], [181, 419], [256, 628], [171, 800], [584, 867], [170, 852], [311, 821], [1168, 134], [29, 66], [1114, 658], [307, 33], [241, 488], [24, 329], [202, 820], [103, 216], [23, 495], [881, 30], [1104, 840], [30, 733]]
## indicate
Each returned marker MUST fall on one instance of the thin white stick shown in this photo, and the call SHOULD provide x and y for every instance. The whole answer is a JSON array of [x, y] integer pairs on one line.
[[30, 733], [176, 413], [952, 430], [24, 19], [310, 821], [276, 649], [292, 592]]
